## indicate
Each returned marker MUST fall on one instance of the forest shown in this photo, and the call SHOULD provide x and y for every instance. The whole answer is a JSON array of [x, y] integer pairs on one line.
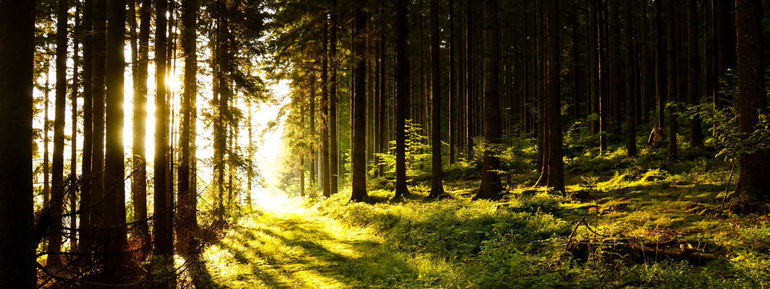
[[384, 144]]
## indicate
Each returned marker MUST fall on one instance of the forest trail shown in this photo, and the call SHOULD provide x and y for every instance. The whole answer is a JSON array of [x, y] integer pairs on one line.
[[285, 244]]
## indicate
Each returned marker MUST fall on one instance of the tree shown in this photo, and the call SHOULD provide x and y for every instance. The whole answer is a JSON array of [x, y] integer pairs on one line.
[[139, 164], [333, 145], [163, 251], [753, 181], [324, 121], [437, 186], [17, 22], [693, 70], [673, 75], [402, 96], [358, 131], [116, 259], [97, 130], [86, 230], [491, 186], [57, 170], [631, 79], [186, 194], [553, 103]]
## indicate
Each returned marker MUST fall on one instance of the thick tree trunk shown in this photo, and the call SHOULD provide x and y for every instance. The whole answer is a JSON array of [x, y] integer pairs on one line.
[[555, 161], [57, 170], [437, 185], [694, 71], [661, 87], [117, 259], [86, 209], [402, 95], [672, 82], [753, 182], [186, 191], [491, 186], [17, 266], [163, 250], [631, 79], [97, 110], [358, 107]]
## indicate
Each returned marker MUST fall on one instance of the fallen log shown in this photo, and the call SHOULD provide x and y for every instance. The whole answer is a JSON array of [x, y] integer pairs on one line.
[[636, 253]]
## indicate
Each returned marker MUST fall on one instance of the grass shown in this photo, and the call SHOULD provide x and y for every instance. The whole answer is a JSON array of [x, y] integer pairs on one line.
[[516, 243]]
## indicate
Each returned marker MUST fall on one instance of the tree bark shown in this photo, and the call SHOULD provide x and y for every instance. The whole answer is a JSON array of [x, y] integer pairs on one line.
[[437, 186], [139, 164], [186, 191], [17, 267], [57, 169], [358, 107], [163, 250], [553, 103], [755, 167], [631, 80], [402, 95], [97, 109], [491, 186], [116, 260], [86, 209], [333, 141], [324, 121]]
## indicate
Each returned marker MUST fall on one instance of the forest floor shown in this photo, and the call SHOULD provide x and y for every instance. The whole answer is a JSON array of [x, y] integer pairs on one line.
[[615, 206]]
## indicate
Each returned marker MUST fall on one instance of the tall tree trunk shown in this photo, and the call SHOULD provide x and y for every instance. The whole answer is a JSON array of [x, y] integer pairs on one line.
[[470, 86], [661, 86], [601, 15], [755, 167], [324, 122], [437, 186], [186, 192], [726, 46], [311, 129], [117, 260], [452, 99], [672, 78], [74, 130], [17, 266], [694, 70], [46, 137], [97, 109], [333, 141], [57, 170], [631, 79], [402, 95], [86, 201], [139, 164], [491, 186], [358, 107], [163, 251], [553, 103]]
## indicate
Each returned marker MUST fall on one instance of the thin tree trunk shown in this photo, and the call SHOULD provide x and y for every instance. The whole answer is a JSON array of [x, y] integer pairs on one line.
[[324, 122], [163, 250], [57, 170], [333, 141], [139, 164], [553, 103]]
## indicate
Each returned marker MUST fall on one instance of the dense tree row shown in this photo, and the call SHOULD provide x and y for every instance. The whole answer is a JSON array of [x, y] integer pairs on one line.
[[597, 68]]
